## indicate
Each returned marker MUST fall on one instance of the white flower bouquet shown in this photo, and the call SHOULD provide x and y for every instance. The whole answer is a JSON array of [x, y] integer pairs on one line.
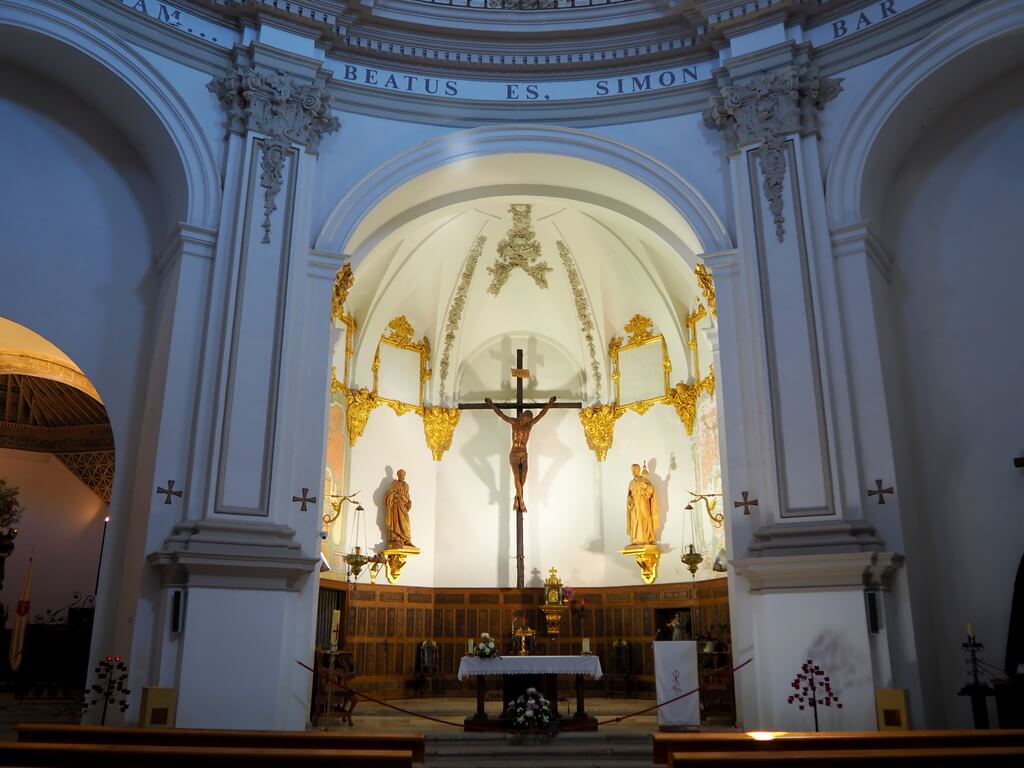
[[486, 648], [530, 711]]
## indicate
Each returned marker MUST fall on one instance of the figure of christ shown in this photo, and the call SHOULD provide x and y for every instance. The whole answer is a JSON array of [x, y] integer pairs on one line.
[[517, 457]]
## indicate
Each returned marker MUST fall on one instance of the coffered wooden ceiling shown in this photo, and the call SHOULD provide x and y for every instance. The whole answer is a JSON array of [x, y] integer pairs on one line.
[[38, 414]]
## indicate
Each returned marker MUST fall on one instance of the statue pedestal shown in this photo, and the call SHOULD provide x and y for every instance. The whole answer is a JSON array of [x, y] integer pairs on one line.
[[395, 556], [647, 557]]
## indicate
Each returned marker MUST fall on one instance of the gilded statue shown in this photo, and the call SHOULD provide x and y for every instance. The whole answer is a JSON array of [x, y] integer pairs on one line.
[[642, 518], [397, 504], [517, 457]]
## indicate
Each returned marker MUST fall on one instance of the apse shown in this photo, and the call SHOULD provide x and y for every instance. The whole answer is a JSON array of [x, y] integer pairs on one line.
[[564, 298]]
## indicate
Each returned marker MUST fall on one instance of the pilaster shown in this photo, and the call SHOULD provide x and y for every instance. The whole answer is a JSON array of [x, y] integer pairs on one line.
[[805, 557], [796, 396], [237, 561]]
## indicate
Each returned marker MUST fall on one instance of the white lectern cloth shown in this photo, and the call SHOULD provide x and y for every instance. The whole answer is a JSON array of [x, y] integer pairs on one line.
[[675, 673]]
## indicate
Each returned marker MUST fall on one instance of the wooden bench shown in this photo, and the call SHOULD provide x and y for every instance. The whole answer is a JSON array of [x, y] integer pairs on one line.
[[57, 733], [958, 756], [139, 756], [667, 743]]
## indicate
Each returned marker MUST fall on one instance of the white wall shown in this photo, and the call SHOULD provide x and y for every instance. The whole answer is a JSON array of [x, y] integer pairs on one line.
[[953, 228], [60, 530]]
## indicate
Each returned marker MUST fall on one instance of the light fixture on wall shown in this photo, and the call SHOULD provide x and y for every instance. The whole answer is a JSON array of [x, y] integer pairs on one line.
[[710, 502]]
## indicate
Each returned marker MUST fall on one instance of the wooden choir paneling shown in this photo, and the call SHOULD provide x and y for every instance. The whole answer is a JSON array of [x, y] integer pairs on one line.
[[384, 625]]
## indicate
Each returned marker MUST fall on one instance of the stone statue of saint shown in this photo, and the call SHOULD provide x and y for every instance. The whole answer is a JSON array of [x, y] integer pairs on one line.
[[642, 518], [397, 504]]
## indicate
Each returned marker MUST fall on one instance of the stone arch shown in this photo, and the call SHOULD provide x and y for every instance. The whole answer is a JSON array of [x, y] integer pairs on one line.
[[179, 150], [935, 74], [709, 231]]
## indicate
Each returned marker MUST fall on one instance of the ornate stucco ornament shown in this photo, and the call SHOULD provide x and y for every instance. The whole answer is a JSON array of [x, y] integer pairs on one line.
[[583, 312], [519, 249], [438, 427], [458, 305], [764, 109], [683, 397], [707, 287], [343, 282], [599, 427], [284, 110], [360, 404]]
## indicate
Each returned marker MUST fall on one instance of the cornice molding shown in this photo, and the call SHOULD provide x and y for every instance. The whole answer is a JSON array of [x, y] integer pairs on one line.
[[824, 572], [205, 55], [233, 555]]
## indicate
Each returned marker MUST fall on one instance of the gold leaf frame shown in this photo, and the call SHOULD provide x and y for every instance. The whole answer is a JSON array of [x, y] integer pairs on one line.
[[399, 335], [641, 333]]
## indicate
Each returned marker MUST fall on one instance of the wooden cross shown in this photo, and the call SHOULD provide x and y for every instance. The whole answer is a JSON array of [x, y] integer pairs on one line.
[[520, 373], [304, 499], [880, 492], [747, 503], [168, 491]]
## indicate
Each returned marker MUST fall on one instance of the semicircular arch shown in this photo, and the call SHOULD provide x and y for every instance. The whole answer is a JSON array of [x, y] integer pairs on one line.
[[935, 74], [356, 223], [178, 151]]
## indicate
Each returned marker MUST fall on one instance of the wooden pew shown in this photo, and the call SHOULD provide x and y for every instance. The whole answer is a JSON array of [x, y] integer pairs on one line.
[[667, 743], [59, 733], [138, 756], [956, 756]]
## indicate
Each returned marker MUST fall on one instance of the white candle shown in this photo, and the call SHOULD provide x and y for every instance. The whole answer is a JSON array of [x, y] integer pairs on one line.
[[970, 631], [586, 645], [470, 645]]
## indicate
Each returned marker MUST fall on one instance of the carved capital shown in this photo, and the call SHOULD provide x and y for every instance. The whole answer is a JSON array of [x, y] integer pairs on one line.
[[763, 109], [276, 105], [285, 110]]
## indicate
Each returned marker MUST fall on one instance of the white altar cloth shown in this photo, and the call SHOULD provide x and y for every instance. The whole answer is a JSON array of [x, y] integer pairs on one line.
[[472, 666]]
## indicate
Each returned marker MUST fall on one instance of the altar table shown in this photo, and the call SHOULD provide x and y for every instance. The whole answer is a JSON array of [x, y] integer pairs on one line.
[[549, 667]]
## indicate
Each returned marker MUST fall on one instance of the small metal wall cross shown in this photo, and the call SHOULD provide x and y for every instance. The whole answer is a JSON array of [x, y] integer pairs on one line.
[[304, 499], [880, 492], [168, 491], [747, 503]]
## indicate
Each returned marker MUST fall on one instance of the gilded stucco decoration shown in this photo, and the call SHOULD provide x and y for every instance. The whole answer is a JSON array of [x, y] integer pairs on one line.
[[641, 333], [520, 249], [583, 313], [458, 306], [707, 287], [285, 110], [343, 283], [360, 403], [400, 334], [438, 428], [599, 427], [763, 110]]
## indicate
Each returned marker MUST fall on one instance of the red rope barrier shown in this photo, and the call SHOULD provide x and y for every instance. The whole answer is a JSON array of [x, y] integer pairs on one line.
[[404, 711]]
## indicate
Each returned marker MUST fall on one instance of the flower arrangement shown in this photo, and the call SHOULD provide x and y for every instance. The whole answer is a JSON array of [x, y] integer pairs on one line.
[[530, 711], [486, 648], [10, 509]]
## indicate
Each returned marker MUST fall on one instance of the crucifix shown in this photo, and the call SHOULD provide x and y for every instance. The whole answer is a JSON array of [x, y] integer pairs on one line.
[[517, 458]]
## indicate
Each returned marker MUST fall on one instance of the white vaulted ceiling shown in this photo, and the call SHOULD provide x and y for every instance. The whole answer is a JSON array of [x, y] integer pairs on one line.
[[623, 266]]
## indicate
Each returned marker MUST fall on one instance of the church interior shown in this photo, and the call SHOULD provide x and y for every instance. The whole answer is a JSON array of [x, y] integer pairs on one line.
[[508, 382]]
